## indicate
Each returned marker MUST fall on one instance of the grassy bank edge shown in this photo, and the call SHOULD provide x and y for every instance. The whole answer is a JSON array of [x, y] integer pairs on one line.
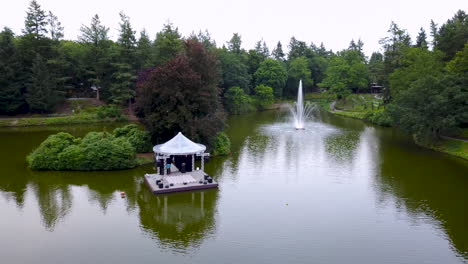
[[49, 121], [453, 147]]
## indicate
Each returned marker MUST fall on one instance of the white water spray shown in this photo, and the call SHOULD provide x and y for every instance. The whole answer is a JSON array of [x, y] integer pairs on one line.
[[301, 112]]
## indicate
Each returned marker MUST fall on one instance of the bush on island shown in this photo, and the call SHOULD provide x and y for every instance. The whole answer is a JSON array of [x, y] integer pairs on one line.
[[96, 151], [47, 155], [140, 140], [221, 145]]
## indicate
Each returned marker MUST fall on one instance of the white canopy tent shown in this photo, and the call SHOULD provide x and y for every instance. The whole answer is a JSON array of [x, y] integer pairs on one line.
[[180, 145]]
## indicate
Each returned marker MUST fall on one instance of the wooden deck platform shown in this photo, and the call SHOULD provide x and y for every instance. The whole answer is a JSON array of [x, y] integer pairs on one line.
[[177, 178]]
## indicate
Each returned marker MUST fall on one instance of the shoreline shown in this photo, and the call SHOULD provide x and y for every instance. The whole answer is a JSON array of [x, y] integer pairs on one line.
[[441, 146]]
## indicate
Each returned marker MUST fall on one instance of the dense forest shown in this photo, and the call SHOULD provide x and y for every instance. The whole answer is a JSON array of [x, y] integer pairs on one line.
[[425, 80]]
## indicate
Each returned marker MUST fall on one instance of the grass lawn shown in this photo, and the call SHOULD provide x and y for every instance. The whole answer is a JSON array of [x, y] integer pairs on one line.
[[454, 147], [357, 115], [358, 103], [91, 114]]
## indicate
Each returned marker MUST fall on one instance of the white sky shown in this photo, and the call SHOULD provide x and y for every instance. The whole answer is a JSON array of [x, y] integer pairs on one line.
[[332, 22]]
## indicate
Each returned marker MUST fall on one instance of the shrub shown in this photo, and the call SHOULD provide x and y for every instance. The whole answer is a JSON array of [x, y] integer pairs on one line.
[[109, 111], [103, 151], [71, 158], [237, 101], [221, 144], [46, 156], [96, 151], [139, 139], [263, 96], [379, 117]]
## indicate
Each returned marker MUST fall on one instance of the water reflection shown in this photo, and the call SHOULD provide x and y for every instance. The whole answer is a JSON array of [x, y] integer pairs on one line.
[[178, 221], [423, 186]]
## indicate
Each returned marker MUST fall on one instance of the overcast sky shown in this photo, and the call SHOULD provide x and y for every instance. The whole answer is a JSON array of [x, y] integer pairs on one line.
[[332, 22]]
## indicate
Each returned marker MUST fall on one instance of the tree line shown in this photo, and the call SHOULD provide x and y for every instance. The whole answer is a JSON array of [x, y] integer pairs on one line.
[[39, 69]]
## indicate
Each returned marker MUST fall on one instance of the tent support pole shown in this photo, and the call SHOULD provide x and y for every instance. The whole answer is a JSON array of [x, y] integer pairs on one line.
[[193, 162], [203, 162]]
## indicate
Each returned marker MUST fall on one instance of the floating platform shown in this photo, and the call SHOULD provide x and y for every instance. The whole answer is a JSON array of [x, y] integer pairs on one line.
[[179, 182]]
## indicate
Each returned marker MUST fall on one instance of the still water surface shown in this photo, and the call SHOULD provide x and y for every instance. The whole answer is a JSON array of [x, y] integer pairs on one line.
[[341, 191]]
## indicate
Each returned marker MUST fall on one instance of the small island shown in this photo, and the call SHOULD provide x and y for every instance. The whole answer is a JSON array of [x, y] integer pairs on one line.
[[95, 151]]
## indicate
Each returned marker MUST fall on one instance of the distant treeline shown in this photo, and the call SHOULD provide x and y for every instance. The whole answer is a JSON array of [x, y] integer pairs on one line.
[[38, 69]]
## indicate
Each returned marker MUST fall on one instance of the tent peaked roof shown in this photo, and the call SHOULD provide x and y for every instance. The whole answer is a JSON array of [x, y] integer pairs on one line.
[[179, 145]]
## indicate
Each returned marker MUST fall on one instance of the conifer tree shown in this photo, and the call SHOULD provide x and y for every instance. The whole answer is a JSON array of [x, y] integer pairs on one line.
[[11, 98], [167, 45], [121, 89], [127, 40], [96, 41], [36, 21], [434, 34], [234, 45], [42, 94], [55, 27], [277, 52], [144, 51], [453, 35], [421, 39]]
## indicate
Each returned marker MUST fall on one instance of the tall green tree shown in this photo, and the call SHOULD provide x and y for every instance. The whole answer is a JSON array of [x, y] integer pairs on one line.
[[55, 27], [376, 68], [434, 34], [453, 35], [127, 40], [144, 51], [394, 46], [34, 39], [96, 41], [298, 70], [167, 45], [431, 105], [272, 73], [262, 49], [421, 39], [358, 47], [278, 52], [234, 44], [297, 49], [35, 24], [346, 73], [414, 64], [459, 63], [42, 93], [122, 87], [11, 97], [204, 37], [234, 71]]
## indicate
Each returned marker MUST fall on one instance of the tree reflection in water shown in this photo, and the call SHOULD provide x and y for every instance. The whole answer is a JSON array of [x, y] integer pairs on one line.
[[178, 221]]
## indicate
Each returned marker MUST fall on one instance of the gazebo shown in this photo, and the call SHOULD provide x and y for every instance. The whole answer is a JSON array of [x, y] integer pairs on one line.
[[180, 175], [179, 146]]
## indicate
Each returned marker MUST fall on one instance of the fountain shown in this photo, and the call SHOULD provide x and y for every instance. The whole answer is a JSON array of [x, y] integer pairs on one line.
[[301, 112]]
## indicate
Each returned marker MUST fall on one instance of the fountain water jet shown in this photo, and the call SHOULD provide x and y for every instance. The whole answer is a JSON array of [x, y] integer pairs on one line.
[[301, 112]]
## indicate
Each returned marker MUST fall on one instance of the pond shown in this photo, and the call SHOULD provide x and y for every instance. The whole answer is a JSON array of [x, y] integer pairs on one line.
[[340, 191]]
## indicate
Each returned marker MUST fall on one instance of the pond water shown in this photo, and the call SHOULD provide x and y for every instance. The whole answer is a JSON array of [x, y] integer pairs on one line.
[[341, 191]]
